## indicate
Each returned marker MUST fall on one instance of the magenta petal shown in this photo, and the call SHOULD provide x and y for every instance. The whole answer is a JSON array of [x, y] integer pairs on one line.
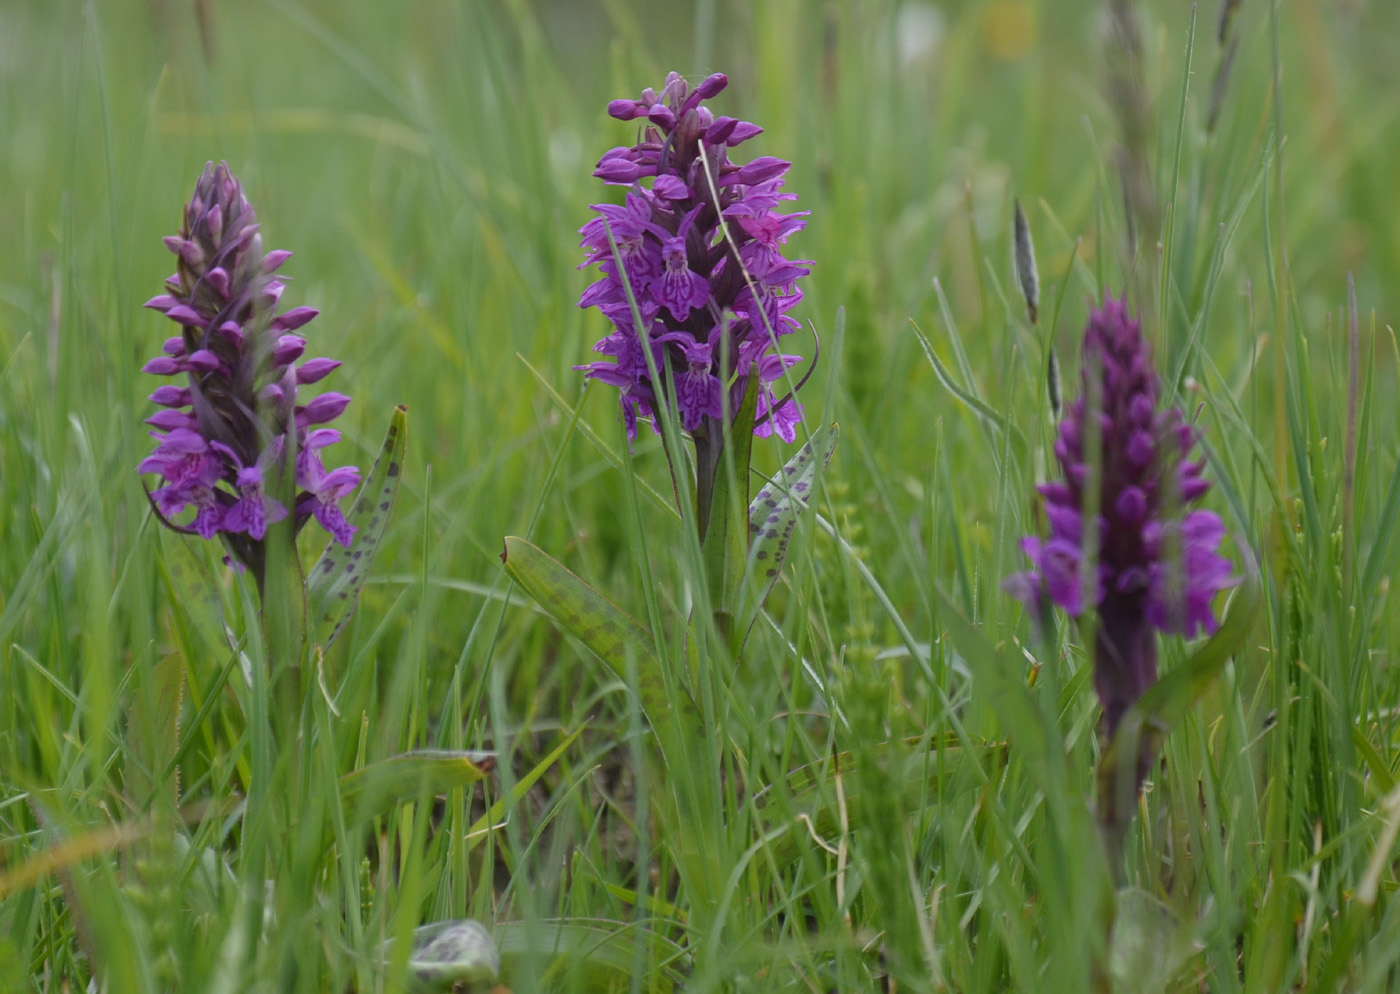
[[171, 396], [1025, 587], [208, 521], [186, 315], [742, 132], [289, 349], [333, 521], [671, 188], [1193, 487], [340, 481], [218, 279], [163, 366], [170, 419], [618, 171], [662, 116], [718, 132], [320, 438], [1141, 449], [326, 407], [273, 260], [1066, 521], [184, 441], [712, 85], [762, 170], [1060, 567], [294, 318], [203, 360], [315, 369], [626, 110], [1131, 505], [192, 254]]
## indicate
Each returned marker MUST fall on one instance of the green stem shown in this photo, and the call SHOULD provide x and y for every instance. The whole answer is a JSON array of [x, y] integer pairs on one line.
[[283, 619], [722, 466]]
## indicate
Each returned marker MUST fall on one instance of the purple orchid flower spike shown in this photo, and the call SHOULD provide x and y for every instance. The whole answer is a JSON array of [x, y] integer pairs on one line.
[[1157, 565], [222, 436], [700, 244]]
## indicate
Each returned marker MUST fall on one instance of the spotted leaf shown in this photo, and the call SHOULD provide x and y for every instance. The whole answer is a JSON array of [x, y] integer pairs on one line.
[[334, 583], [774, 512], [445, 954]]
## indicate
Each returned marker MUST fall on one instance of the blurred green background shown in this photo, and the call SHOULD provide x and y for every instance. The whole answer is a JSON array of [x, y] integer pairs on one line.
[[429, 165]]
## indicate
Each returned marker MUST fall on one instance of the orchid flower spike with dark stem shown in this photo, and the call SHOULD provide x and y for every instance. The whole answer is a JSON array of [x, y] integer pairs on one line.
[[1148, 561], [226, 425], [700, 246]]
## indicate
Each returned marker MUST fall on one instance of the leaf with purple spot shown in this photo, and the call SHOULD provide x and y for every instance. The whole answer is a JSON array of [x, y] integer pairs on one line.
[[774, 512], [333, 585]]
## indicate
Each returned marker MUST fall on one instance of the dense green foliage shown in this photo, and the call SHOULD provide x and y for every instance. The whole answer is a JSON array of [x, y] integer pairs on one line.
[[876, 793]]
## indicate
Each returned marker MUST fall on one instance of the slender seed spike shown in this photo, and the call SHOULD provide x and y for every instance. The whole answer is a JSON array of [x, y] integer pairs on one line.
[[1052, 382], [1227, 14], [1025, 265], [1128, 96], [1222, 79]]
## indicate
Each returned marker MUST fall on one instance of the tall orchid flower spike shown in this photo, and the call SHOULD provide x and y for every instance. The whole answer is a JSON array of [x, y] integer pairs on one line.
[[223, 434], [711, 306], [698, 295], [1157, 568]]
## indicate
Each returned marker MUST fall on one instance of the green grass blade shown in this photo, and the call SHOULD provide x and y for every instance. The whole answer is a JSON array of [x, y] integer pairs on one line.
[[597, 622], [657, 499], [376, 788], [602, 953], [1380, 547], [491, 818], [979, 407]]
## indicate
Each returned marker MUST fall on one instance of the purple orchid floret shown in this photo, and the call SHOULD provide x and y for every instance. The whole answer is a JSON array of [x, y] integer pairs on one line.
[[694, 287], [1157, 565], [222, 435]]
